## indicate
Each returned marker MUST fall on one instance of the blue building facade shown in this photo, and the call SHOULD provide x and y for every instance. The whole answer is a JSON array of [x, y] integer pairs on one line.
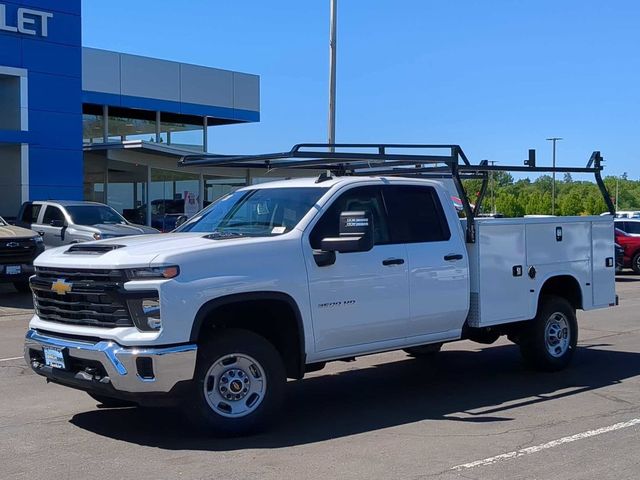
[[81, 123], [40, 42]]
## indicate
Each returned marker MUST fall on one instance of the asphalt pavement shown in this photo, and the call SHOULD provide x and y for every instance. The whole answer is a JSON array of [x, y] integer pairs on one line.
[[475, 412]]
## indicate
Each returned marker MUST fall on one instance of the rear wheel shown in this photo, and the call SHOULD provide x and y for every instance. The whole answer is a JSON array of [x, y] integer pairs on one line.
[[635, 263], [424, 351], [548, 342], [22, 287], [239, 383]]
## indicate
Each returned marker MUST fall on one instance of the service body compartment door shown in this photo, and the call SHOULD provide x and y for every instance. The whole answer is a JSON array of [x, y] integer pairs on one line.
[[603, 277], [502, 282], [558, 242]]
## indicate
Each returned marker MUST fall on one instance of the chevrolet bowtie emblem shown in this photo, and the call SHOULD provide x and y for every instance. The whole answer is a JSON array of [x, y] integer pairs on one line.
[[61, 287]]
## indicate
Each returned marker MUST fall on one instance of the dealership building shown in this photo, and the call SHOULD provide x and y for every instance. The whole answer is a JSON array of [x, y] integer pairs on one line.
[[80, 123]]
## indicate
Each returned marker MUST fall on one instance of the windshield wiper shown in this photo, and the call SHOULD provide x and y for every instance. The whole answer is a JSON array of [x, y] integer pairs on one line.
[[217, 235]]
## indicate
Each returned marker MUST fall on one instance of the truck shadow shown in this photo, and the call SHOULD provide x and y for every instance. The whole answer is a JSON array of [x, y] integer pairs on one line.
[[462, 386]]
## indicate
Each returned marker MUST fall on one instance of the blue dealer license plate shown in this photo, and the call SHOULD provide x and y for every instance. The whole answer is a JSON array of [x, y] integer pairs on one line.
[[53, 357]]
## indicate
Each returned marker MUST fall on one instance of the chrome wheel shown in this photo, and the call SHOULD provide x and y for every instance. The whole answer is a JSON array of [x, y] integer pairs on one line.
[[235, 385], [557, 334]]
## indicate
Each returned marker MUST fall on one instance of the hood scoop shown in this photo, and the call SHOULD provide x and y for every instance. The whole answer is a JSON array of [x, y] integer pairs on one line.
[[88, 249]]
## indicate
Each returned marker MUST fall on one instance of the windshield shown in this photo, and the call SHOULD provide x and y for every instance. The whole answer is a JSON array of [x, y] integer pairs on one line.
[[94, 215], [255, 213]]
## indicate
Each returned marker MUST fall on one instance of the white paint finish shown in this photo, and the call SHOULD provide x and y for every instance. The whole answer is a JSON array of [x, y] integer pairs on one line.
[[545, 446], [542, 246], [246, 91], [438, 289], [100, 71], [149, 77], [358, 300], [603, 278], [206, 86]]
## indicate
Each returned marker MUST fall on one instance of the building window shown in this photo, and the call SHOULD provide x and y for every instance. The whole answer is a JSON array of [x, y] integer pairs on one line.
[[9, 102]]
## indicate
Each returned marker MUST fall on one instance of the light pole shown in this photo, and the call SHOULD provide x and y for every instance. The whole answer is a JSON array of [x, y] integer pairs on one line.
[[333, 33], [553, 183]]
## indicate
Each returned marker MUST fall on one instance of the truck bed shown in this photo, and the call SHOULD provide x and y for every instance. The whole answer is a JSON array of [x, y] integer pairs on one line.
[[512, 258]]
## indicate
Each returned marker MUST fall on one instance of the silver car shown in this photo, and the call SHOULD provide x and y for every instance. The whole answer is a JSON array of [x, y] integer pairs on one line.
[[64, 222]]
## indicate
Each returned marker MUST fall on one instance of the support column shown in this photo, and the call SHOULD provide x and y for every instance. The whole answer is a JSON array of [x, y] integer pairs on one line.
[[148, 220], [205, 134], [105, 123], [157, 127]]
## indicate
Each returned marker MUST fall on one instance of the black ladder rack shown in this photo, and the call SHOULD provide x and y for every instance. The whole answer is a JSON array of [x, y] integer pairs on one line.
[[367, 159]]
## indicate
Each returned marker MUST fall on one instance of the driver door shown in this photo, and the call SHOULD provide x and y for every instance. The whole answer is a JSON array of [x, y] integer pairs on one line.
[[52, 224], [363, 298]]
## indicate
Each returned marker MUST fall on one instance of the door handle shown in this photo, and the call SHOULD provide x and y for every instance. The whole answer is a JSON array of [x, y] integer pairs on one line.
[[393, 261], [453, 256]]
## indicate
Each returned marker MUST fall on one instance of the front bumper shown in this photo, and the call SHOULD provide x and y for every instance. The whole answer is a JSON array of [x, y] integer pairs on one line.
[[103, 366]]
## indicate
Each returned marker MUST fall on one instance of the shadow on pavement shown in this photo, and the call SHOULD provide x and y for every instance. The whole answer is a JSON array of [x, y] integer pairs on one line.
[[461, 386], [10, 298]]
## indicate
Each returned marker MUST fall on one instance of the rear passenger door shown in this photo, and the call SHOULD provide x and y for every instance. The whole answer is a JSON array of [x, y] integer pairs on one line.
[[51, 224], [437, 257]]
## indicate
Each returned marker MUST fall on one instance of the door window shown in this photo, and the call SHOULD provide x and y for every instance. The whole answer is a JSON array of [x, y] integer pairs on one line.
[[367, 199], [30, 213], [52, 213], [632, 227], [415, 214]]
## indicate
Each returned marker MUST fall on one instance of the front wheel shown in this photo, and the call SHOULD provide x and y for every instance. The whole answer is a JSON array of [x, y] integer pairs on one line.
[[239, 383], [548, 342]]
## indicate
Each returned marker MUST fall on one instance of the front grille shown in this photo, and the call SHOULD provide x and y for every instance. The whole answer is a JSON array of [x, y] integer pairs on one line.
[[17, 251], [91, 297]]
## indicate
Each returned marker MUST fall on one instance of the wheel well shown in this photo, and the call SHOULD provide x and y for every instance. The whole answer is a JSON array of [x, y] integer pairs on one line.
[[272, 315], [564, 286]]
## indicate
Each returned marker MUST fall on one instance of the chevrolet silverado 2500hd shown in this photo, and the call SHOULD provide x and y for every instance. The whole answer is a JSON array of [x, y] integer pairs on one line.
[[276, 279]]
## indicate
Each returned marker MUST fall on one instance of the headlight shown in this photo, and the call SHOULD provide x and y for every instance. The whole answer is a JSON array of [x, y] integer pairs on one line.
[[146, 313], [102, 236], [170, 271]]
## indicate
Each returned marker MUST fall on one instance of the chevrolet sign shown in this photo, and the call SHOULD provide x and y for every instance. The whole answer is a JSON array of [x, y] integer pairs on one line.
[[27, 21]]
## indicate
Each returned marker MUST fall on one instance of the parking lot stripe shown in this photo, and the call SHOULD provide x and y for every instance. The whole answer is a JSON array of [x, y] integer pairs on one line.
[[545, 446], [9, 359]]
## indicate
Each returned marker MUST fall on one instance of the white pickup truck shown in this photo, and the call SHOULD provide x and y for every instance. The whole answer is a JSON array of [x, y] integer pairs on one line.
[[274, 280]]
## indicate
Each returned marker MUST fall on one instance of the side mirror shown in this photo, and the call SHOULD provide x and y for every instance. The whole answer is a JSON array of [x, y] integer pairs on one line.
[[356, 234], [57, 223], [181, 219]]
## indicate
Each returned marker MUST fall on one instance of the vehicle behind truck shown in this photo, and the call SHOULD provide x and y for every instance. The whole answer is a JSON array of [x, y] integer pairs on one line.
[[275, 280], [18, 249]]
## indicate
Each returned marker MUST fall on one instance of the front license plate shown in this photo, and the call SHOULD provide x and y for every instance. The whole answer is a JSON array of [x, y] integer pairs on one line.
[[53, 357], [13, 269]]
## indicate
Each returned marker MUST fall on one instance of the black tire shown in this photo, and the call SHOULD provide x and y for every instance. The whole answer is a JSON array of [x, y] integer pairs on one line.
[[111, 402], [635, 263], [424, 351], [265, 371], [555, 329], [22, 287]]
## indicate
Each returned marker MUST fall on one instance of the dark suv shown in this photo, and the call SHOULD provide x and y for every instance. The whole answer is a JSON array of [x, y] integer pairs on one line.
[[18, 248]]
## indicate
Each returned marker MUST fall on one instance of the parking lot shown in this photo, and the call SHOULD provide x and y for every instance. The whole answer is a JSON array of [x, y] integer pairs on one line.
[[475, 412]]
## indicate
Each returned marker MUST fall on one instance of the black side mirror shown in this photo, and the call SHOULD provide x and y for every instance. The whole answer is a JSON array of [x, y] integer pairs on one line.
[[181, 219], [356, 234], [57, 223]]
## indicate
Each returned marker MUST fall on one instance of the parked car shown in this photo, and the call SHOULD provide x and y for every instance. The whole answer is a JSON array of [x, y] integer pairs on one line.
[[164, 214], [631, 246], [18, 249], [628, 225], [64, 222]]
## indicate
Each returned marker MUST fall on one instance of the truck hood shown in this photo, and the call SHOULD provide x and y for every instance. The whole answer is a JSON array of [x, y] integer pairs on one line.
[[11, 231], [135, 251], [118, 230]]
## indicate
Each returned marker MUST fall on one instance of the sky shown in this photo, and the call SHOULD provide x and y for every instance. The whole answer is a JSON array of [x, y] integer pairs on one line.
[[496, 77]]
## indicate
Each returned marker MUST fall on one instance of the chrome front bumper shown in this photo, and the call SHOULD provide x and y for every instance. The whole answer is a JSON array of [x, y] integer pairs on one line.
[[170, 365]]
